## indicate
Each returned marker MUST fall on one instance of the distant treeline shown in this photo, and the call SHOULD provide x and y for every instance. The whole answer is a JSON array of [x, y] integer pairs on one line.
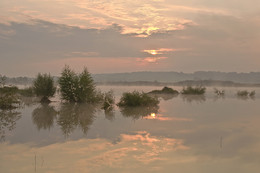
[[19, 80], [252, 77], [181, 83], [207, 78]]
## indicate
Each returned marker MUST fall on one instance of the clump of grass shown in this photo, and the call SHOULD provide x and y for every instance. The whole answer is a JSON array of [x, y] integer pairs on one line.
[[8, 97], [193, 90], [165, 90], [219, 92], [245, 93], [135, 98]]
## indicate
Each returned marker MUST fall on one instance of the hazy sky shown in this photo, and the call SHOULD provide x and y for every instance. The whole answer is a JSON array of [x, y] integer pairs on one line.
[[129, 35]]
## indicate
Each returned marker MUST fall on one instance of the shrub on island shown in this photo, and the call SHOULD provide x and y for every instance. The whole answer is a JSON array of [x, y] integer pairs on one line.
[[165, 90], [135, 98], [193, 90]]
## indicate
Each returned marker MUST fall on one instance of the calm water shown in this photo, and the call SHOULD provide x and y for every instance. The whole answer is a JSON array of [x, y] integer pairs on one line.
[[184, 135]]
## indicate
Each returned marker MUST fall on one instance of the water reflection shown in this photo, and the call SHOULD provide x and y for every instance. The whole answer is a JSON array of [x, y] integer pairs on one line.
[[246, 97], [110, 113], [44, 116], [138, 112], [29, 101], [194, 98], [8, 120], [218, 97], [165, 96], [72, 116]]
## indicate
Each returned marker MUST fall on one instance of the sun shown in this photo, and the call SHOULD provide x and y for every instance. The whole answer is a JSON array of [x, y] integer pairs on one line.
[[153, 52]]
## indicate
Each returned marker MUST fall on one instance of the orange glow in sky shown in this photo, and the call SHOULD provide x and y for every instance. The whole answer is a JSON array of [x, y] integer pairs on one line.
[[158, 51]]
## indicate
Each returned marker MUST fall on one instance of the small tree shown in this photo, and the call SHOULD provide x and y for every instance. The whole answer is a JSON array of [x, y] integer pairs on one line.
[[44, 87], [68, 83], [86, 87], [77, 87]]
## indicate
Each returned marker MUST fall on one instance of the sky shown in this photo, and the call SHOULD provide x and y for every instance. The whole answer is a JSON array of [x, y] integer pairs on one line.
[[112, 36]]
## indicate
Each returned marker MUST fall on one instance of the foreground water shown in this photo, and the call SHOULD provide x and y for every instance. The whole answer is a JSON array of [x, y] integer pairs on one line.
[[185, 134]]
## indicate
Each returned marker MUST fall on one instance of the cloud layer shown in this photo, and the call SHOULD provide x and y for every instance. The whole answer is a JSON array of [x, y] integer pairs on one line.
[[158, 35]]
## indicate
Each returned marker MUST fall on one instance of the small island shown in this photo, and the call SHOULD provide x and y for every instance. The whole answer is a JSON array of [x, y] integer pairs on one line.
[[165, 90]]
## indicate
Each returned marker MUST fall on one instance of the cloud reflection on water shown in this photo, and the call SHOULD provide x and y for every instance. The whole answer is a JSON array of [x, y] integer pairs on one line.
[[92, 155]]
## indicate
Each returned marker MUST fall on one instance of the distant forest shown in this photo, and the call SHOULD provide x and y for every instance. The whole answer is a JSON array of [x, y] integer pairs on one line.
[[249, 78], [206, 78]]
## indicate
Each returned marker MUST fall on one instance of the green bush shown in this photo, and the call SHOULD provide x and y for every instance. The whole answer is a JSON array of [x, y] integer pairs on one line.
[[165, 90], [43, 86], [77, 87], [245, 93], [194, 90], [8, 97], [137, 99]]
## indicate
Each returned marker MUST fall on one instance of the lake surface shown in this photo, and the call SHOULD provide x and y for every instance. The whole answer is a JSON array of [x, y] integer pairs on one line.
[[185, 134]]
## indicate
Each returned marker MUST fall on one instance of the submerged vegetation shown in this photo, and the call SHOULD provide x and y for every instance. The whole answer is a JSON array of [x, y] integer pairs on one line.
[[193, 90], [135, 98]]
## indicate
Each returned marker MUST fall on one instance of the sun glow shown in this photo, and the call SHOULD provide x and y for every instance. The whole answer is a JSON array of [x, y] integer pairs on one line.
[[153, 115], [158, 51]]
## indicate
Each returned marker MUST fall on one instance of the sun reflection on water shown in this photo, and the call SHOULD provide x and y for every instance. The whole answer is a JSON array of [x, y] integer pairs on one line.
[[153, 115]]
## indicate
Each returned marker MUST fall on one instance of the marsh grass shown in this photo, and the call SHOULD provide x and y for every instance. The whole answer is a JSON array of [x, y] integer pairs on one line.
[[135, 98]]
